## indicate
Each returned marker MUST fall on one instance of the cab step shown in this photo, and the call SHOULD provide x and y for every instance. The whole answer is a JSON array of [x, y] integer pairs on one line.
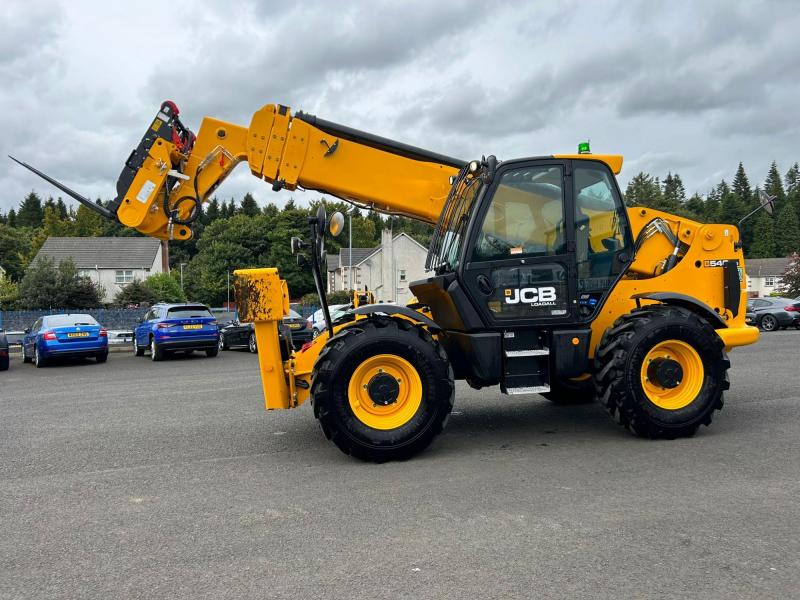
[[534, 389]]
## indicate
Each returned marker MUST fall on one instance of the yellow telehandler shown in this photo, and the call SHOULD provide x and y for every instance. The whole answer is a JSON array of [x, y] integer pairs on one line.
[[541, 280]]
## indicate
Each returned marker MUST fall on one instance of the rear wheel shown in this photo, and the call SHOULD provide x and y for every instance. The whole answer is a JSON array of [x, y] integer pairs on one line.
[[101, 357], [156, 353], [769, 323], [382, 389], [212, 352], [661, 372], [39, 360], [251, 343]]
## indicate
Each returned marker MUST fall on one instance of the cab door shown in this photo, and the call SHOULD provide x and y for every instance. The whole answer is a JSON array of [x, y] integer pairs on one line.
[[519, 264]]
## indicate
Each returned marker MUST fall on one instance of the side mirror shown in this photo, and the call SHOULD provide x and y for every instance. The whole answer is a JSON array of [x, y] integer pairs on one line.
[[336, 224], [26, 330], [767, 201]]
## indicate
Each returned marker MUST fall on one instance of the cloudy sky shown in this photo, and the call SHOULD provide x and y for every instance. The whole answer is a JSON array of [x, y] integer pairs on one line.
[[680, 86]]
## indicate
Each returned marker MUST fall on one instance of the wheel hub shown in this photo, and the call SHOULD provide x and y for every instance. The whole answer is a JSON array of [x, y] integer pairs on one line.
[[665, 372], [383, 389]]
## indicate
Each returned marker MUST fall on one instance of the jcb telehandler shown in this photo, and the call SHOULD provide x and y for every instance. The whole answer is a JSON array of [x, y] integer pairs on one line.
[[541, 280]]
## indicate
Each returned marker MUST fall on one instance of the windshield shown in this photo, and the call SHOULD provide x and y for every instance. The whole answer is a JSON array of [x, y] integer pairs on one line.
[[188, 312], [450, 230], [70, 320]]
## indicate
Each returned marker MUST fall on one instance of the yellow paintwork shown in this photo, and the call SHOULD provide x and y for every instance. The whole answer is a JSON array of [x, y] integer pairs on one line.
[[264, 301], [691, 383], [293, 154], [614, 161], [392, 415]]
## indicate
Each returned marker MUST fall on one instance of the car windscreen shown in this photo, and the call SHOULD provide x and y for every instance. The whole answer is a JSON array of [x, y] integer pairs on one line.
[[293, 315], [69, 320], [188, 312]]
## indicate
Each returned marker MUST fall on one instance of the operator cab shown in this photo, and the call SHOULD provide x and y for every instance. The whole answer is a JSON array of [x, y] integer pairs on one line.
[[524, 255]]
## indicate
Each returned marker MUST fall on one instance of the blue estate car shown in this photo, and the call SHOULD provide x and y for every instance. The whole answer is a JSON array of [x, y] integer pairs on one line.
[[176, 328], [64, 335]]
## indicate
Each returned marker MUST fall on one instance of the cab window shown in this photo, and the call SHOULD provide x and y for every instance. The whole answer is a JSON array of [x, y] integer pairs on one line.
[[525, 217]]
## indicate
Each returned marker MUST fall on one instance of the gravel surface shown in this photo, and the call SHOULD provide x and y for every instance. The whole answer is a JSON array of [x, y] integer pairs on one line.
[[166, 480]]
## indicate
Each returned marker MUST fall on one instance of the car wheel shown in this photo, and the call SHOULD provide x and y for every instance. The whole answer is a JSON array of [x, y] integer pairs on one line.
[[27, 359], [212, 352], [251, 343], [38, 359], [316, 333], [137, 349], [769, 323], [156, 353], [222, 344], [101, 357]]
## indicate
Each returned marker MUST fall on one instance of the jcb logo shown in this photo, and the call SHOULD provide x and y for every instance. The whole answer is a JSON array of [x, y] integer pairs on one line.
[[530, 295]]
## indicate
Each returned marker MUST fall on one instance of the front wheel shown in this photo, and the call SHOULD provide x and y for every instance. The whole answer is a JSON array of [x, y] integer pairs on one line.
[[251, 343], [382, 389], [137, 349], [39, 360], [769, 323], [221, 344], [156, 353], [25, 357], [661, 371]]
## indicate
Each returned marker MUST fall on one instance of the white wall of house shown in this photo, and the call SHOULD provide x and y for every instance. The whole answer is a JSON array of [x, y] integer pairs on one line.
[[758, 287], [387, 271], [113, 280]]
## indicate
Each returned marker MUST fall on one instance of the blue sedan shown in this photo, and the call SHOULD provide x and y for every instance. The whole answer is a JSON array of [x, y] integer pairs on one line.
[[64, 335]]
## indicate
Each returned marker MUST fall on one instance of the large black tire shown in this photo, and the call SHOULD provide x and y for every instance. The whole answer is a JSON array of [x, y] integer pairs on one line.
[[101, 357], [571, 393], [618, 364], [338, 361]]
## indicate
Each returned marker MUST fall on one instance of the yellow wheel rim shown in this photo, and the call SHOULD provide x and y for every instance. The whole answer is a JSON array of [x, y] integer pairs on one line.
[[398, 411], [689, 384]]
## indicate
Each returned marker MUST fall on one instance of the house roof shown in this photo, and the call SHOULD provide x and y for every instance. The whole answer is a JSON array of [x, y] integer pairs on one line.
[[102, 252], [766, 267], [337, 261]]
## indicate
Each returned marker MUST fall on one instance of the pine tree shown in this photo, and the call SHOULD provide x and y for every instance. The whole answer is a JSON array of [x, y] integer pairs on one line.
[[763, 245], [787, 229], [774, 187], [741, 185], [643, 190], [673, 194], [30, 211], [62, 208], [249, 206], [270, 210], [211, 212], [11, 218]]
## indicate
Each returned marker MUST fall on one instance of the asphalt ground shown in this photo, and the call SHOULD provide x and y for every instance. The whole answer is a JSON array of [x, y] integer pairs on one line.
[[169, 480]]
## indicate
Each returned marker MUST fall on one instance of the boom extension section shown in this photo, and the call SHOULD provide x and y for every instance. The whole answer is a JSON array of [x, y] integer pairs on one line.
[[171, 173]]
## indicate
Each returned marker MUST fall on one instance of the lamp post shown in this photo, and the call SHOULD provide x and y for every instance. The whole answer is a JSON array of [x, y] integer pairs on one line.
[[181, 266], [228, 303]]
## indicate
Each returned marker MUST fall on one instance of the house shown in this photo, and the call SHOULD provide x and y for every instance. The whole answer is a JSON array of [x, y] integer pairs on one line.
[[386, 269], [112, 262], [764, 275]]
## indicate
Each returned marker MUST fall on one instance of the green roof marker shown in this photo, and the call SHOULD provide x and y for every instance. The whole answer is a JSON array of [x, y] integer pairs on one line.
[[583, 148]]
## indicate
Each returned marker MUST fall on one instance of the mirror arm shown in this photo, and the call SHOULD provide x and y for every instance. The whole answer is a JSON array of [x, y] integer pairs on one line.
[[318, 244]]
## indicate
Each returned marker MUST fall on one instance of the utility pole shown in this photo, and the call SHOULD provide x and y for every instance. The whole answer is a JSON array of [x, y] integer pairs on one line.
[[228, 304], [182, 265]]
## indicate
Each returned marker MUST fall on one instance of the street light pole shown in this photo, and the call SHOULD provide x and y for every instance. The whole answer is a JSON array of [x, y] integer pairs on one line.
[[182, 265], [228, 304]]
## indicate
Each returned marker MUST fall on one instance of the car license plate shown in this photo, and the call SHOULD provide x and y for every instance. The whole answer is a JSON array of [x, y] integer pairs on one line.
[[78, 334], [294, 325], [192, 326]]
